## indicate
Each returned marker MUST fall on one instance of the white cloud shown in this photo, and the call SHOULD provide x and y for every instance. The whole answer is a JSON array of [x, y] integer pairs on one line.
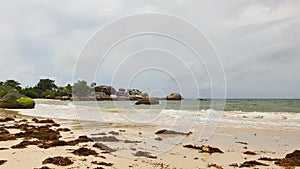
[[254, 38]]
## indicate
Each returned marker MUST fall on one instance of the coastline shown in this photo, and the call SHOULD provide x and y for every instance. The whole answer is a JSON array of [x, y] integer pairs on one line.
[[272, 143]]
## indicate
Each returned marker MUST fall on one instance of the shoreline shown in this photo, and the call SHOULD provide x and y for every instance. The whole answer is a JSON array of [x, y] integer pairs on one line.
[[272, 143]]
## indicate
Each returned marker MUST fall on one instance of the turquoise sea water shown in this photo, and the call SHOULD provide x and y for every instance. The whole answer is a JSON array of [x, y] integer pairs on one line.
[[237, 112]]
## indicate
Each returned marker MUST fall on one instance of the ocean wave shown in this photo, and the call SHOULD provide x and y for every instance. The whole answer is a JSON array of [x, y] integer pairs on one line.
[[67, 110]]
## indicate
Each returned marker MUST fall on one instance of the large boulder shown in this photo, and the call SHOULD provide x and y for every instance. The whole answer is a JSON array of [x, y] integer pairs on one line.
[[108, 90], [174, 96], [147, 101], [102, 96], [14, 100]]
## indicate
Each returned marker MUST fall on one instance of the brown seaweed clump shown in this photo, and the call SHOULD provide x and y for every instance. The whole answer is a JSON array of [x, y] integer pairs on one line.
[[5, 135], [59, 160], [102, 163], [85, 152], [215, 166], [290, 160], [250, 153], [252, 164], [2, 162], [204, 149]]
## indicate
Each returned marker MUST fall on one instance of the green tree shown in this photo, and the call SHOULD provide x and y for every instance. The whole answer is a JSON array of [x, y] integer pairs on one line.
[[5, 89], [29, 92], [46, 84], [81, 89], [49, 94], [13, 83]]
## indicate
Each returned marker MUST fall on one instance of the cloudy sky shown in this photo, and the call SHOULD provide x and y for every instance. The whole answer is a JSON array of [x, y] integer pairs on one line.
[[257, 42]]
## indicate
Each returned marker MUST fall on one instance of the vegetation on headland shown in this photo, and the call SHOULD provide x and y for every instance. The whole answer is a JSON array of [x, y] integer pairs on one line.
[[45, 88], [80, 90]]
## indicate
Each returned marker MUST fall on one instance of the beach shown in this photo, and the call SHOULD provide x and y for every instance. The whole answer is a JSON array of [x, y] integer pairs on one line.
[[143, 145]]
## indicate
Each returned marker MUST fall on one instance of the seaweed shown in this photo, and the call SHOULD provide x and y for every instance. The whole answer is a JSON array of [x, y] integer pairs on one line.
[[59, 160]]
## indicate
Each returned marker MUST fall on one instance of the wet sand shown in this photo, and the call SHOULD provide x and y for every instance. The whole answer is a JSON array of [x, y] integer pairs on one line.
[[125, 145]]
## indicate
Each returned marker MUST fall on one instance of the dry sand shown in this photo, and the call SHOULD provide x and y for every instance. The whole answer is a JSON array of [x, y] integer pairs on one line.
[[169, 152]]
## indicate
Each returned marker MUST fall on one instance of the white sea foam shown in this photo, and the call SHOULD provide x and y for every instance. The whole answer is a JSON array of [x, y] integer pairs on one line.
[[68, 110]]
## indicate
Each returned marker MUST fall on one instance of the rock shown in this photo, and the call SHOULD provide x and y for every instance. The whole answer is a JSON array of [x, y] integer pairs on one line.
[[174, 96], [164, 131], [108, 90], [14, 100], [102, 96], [147, 102]]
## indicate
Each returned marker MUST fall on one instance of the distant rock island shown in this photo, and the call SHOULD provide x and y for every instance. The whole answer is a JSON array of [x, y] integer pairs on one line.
[[104, 93]]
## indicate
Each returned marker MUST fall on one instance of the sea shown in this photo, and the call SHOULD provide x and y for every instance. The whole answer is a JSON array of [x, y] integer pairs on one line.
[[257, 113]]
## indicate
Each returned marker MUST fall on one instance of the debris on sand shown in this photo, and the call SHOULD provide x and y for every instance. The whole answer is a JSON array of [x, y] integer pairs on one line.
[[104, 147], [268, 159], [106, 139], [39, 132], [113, 133], [233, 165], [241, 142], [5, 136], [204, 149], [59, 160], [252, 164], [44, 167], [144, 154], [6, 119], [250, 153], [290, 160], [42, 121], [102, 133], [24, 144], [2, 162], [158, 139], [164, 131], [63, 129], [85, 152], [215, 166], [102, 163], [131, 141]]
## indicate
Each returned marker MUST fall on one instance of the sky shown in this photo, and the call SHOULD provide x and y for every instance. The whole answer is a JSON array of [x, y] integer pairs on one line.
[[257, 43]]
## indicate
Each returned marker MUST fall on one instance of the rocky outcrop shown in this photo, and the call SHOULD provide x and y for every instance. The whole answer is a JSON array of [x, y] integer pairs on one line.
[[147, 101], [174, 96], [14, 100]]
